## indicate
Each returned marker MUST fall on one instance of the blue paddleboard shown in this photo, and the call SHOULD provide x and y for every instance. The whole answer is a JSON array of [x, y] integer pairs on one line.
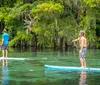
[[68, 68]]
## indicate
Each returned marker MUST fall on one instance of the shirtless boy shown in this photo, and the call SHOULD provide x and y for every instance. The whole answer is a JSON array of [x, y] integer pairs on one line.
[[82, 52]]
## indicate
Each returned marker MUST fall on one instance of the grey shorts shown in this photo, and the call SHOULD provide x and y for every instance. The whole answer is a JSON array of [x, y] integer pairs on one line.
[[83, 53], [4, 47]]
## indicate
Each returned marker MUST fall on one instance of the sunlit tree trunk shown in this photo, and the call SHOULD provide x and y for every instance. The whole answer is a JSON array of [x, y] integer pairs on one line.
[[56, 33]]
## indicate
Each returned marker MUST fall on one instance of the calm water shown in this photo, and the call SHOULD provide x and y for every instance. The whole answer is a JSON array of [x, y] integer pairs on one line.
[[32, 72]]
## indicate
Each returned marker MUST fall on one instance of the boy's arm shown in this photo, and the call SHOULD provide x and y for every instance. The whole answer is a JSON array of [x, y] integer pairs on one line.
[[75, 40], [2, 39]]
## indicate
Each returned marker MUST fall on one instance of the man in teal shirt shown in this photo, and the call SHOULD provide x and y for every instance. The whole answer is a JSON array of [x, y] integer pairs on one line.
[[5, 38]]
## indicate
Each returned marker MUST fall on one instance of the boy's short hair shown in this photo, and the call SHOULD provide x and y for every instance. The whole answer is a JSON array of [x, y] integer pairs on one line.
[[82, 32], [4, 30]]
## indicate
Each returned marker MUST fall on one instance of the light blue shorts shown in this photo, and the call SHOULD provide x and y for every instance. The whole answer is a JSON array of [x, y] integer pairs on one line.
[[83, 53]]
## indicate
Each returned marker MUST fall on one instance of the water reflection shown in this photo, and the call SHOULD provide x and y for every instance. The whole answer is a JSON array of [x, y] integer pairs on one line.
[[5, 75], [82, 80], [70, 75]]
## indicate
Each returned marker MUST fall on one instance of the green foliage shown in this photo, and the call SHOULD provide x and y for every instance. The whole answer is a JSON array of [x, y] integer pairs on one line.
[[3, 12], [16, 12], [20, 37], [92, 3], [47, 10], [97, 44], [49, 22]]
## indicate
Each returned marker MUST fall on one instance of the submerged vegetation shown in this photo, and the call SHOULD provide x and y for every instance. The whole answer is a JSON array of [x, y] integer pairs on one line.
[[50, 23]]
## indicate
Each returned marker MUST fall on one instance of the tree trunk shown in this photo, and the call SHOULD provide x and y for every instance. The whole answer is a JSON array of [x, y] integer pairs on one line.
[[1, 26], [36, 41], [55, 45], [66, 45], [61, 43], [28, 1], [56, 33]]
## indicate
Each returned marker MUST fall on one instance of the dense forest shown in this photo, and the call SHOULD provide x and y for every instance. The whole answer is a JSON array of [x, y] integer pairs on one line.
[[50, 23]]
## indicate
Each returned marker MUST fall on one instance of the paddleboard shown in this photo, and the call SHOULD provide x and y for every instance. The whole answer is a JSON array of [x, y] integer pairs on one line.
[[22, 58], [68, 68], [13, 58]]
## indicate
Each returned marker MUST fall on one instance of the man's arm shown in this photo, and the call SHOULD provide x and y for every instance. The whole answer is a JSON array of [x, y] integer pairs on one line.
[[75, 40]]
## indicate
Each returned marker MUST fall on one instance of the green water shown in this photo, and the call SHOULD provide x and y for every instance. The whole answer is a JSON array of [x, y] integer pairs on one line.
[[32, 72]]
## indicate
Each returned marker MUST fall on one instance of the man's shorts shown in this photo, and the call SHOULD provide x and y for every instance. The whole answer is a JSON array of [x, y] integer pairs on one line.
[[83, 53], [4, 47]]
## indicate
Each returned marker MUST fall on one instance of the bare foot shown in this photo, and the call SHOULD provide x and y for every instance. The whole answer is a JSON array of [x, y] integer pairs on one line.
[[1, 57], [85, 67]]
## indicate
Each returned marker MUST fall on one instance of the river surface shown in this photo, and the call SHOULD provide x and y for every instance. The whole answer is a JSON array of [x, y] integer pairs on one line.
[[33, 72]]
